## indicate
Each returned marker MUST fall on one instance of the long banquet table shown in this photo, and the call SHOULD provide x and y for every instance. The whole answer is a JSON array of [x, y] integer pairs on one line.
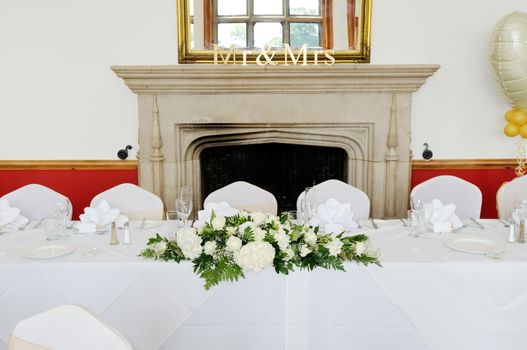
[[426, 296]]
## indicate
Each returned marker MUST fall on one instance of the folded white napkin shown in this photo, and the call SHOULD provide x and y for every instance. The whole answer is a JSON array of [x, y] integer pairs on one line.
[[100, 217], [220, 209], [441, 218], [10, 217], [334, 217]]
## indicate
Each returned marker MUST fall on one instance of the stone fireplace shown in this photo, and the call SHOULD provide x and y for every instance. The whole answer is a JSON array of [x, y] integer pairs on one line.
[[363, 110]]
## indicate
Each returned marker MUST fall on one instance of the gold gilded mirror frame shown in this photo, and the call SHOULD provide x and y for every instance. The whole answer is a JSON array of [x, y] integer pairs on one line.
[[359, 54]]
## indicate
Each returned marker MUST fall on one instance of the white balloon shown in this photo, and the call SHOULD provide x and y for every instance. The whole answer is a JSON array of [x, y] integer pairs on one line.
[[508, 57]]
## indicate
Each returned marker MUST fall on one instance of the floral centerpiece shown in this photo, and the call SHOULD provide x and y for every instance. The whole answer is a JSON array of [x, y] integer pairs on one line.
[[226, 247]]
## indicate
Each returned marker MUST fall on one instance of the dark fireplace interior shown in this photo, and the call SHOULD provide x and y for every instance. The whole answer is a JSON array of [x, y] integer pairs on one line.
[[285, 170]]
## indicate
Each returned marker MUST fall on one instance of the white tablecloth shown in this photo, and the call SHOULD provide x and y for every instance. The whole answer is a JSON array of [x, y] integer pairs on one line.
[[426, 296]]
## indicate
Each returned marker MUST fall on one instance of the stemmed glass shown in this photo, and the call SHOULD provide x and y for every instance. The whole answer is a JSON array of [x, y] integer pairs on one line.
[[184, 204], [309, 204], [62, 212]]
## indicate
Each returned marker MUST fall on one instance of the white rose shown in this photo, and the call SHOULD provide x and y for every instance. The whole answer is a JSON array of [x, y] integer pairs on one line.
[[218, 223], [231, 230], [282, 240], [242, 227], [189, 242], [258, 218], [289, 254], [360, 248], [255, 256], [259, 234], [159, 248], [334, 246], [210, 247], [310, 238], [233, 244], [304, 250]]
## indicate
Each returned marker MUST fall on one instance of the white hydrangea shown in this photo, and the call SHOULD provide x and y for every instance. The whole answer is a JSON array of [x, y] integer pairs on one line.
[[289, 254], [271, 219], [189, 242], [210, 247], [334, 246], [304, 250], [360, 248], [159, 248], [310, 238], [258, 218], [233, 244], [282, 240], [218, 223], [259, 234], [231, 230], [255, 256]]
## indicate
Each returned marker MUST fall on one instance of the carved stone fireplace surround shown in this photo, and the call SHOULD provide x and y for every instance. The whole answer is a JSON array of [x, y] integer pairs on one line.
[[364, 109]]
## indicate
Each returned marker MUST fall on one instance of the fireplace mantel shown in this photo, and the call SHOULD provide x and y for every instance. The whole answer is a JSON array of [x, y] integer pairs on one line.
[[218, 79], [364, 109]]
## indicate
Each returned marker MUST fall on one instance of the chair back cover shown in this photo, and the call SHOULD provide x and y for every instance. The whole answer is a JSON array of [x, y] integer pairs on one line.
[[245, 196], [133, 201], [66, 327], [509, 194], [344, 193], [451, 189], [36, 201]]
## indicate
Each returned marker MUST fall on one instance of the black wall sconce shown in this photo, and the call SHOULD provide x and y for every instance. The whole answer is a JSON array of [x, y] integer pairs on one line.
[[427, 154], [123, 153]]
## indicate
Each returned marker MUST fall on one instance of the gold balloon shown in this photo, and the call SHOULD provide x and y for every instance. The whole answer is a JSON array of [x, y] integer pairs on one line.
[[523, 131], [509, 115], [512, 130], [520, 118]]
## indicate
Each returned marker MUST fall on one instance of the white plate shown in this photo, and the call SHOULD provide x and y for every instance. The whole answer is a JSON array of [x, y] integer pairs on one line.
[[47, 250], [473, 244], [147, 224]]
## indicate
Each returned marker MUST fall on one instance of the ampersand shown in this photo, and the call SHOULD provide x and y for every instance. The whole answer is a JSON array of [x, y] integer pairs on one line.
[[268, 60]]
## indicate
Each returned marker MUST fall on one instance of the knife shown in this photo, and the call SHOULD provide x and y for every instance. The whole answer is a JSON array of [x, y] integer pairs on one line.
[[374, 224], [478, 224]]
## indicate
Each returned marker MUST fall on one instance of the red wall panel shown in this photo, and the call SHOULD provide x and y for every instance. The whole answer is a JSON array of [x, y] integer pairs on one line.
[[80, 186]]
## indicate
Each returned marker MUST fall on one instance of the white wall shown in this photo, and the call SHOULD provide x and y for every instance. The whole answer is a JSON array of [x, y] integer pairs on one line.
[[60, 100]]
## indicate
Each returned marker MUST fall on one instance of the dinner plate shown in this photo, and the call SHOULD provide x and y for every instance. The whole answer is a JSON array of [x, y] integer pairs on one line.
[[476, 244], [47, 250], [147, 224]]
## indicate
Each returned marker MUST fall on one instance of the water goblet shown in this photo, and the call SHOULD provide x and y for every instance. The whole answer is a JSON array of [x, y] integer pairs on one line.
[[184, 204], [414, 223], [309, 204]]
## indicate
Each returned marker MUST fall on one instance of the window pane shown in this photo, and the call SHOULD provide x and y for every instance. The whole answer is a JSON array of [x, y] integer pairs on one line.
[[232, 33], [304, 7], [304, 33], [268, 7], [268, 34], [232, 7]]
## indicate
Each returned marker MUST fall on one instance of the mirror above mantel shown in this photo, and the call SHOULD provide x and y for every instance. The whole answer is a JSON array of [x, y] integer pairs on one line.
[[340, 27]]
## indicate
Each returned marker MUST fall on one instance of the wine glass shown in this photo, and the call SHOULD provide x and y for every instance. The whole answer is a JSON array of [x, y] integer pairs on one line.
[[62, 212], [184, 204], [309, 204]]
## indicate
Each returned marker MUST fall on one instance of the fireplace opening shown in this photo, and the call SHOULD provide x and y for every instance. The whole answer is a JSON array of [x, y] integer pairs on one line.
[[285, 170]]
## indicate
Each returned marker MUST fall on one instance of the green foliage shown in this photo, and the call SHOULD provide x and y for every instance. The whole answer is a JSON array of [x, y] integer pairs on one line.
[[216, 271]]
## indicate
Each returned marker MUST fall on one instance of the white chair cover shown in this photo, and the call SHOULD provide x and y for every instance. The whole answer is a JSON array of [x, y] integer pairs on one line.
[[510, 193], [245, 196], [451, 189], [133, 201], [66, 327], [344, 193], [36, 201]]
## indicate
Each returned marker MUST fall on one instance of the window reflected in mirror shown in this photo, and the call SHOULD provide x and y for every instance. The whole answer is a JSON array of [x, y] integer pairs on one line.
[[339, 25]]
